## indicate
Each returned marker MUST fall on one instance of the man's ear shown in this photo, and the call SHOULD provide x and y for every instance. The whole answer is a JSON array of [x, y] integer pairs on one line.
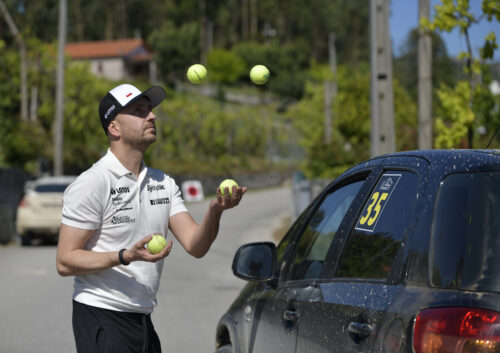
[[114, 129]]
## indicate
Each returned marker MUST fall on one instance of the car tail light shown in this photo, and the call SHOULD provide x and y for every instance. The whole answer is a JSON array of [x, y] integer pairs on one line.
[[24, 202], [457, 330]]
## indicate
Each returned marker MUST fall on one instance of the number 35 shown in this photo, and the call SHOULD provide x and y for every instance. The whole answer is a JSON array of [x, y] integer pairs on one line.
[[372, 212]]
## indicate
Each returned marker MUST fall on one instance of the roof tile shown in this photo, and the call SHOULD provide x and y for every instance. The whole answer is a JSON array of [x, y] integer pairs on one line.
[[103, 49]]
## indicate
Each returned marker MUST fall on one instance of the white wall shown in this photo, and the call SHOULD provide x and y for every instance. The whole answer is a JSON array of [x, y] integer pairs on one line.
[[113, 69]]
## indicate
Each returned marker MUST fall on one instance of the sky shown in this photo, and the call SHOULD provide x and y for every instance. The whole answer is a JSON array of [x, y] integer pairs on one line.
[[404, 17]]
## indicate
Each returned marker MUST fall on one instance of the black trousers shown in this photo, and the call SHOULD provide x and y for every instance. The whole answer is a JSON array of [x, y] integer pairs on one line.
[[99, 330]]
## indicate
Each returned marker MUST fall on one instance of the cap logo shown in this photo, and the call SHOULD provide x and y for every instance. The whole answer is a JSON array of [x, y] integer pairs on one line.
[[109, 111], [128, 95]]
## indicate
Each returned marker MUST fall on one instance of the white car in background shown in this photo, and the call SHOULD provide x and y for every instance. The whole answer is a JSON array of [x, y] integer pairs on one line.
[[39, 212]]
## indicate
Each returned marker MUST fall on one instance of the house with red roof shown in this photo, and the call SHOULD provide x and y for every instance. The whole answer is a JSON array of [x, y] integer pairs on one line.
[[120, 59]]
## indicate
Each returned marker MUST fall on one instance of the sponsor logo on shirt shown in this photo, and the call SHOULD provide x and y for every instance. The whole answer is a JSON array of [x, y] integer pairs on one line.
[[162, 201], [122, 190], [116, 200], [122, 219], [124, 209], [156, 187]]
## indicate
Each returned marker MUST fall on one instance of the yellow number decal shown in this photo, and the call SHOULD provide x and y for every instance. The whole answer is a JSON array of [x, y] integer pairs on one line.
[[377, 208], [369, 209]]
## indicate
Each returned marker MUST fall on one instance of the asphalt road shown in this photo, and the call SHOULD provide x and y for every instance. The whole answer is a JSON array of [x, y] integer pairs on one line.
[[35, 302]]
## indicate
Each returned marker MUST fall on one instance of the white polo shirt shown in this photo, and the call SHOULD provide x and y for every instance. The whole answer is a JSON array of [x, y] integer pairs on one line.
[[122, 209]]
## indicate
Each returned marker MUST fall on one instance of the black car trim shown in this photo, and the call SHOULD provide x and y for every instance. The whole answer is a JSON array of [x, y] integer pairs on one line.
[[401, 257], [436, 199], [358, 175], [401, 260], [336, 248]]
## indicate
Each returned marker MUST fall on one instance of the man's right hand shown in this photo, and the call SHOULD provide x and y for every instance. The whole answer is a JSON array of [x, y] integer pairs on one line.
[[139, 252], [73, 260]]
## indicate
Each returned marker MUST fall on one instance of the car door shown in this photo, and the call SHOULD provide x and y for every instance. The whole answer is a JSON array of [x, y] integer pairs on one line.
[[347, 304], [278, 310]]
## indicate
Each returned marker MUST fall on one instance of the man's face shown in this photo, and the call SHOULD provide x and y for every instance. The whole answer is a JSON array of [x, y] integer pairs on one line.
[[137, 123]]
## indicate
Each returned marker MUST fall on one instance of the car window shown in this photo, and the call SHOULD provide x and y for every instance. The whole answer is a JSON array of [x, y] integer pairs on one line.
[[465, 239], [285, 246], [51, 187], [320, 231], [377, 236]]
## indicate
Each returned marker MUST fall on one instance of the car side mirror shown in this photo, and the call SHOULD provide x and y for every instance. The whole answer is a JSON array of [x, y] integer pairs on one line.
[[255, 261]]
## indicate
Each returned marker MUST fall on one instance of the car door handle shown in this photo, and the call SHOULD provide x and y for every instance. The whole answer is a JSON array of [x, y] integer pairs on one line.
[[360, 329], [290, 315]]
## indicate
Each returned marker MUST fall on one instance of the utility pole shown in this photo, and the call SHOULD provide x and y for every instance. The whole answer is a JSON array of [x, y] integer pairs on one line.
[[330, 87], [424, 79], [245, 16], [254, 20], [202, 7], [59, 118], [382, 101]]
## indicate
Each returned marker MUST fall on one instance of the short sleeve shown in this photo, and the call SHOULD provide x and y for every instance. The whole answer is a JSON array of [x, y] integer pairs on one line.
[[177, 204], [83, 201]]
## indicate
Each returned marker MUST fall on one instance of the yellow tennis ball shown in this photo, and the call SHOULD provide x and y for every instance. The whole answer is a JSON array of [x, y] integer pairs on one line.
[[259, 74], [228, 183], [197, 73], [156, 244]]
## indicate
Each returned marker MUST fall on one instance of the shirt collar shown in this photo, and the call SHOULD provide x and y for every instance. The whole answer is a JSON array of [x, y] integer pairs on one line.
[[116, 167]]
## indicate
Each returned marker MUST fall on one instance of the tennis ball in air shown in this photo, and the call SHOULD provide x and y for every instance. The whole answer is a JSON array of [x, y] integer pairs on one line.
[[228, 183], [156, 244], [197, 73], [259, 74]]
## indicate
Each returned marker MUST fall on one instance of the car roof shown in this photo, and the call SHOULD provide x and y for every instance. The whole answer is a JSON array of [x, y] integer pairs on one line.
[[444, 160], [48, 180], [65, 179]]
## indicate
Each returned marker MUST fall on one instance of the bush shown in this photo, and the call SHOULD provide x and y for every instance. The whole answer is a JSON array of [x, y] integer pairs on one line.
[[285, 62], [225, 66]]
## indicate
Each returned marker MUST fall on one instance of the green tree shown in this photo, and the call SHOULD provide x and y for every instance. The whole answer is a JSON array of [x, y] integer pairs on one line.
[[194, 130], [308, 26], [176, 48], [196, 136], [225, 66], [457, 116], [84, 138], [351, 121], [449, 15], [444, 69], [287, 64], [22, 144]]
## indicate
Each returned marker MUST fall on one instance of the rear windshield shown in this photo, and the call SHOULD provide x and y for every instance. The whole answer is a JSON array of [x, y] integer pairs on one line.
[[465, 245], [51, 187]]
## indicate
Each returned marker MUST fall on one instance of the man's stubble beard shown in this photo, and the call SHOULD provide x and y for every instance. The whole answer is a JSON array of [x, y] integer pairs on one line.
[[142, 143]]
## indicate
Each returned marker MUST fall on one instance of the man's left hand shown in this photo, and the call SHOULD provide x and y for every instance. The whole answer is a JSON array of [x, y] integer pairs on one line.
[[230, 200]]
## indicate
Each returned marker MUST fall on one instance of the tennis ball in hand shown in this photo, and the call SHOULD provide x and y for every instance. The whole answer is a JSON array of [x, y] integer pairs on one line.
[[228, 183], [196, 73], [259, 74], [156, 244]]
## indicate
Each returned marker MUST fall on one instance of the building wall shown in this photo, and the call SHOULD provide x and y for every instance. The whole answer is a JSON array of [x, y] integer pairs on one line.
[[116, 69], [113, 69]]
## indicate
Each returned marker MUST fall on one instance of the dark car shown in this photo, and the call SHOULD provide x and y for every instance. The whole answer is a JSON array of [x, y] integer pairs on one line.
[[401, 253], [11, 191]]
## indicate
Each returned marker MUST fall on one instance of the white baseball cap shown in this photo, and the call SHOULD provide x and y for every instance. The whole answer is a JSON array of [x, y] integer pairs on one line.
[[123, 95]]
